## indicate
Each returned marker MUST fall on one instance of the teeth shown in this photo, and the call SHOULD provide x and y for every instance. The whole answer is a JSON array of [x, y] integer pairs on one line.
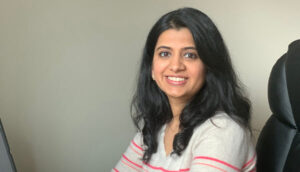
[[175, 78]]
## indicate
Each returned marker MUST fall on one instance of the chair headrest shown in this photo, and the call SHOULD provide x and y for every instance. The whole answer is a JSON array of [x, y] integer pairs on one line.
[[284, 87], [293, 78]]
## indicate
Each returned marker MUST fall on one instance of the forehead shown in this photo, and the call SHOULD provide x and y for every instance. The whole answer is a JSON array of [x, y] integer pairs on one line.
[[176, 38]]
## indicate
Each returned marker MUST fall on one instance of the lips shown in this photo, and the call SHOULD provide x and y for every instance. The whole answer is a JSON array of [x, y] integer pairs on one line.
[[176, 80]]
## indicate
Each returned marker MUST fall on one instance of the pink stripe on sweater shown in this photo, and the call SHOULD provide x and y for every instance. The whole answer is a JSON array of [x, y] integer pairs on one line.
[[129, 165], [217, 160], [125, 157], [164, 170], [249, 162], [116, 170], [137, 145], [153, 167], [135, 151], [199, 163]]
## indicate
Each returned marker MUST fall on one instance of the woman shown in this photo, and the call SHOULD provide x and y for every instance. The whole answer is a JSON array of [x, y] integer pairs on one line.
[[188, 107]]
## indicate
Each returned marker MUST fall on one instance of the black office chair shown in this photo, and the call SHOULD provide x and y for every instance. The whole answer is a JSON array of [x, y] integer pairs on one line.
[[278, 146]]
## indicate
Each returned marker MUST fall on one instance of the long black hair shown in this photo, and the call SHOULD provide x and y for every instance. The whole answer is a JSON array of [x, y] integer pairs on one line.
[[150, 107]]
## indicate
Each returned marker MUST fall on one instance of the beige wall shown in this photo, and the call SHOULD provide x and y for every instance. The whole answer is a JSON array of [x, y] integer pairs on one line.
[[67, 71]]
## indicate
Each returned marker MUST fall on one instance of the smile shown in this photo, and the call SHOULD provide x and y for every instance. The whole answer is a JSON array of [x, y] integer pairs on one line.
[[177, 79]]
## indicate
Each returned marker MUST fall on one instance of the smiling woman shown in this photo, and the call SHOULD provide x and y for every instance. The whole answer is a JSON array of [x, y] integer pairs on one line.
[[177, 69], [189, 110]]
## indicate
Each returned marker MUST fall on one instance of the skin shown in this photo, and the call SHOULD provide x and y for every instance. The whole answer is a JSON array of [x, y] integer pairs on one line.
[[179, 72]]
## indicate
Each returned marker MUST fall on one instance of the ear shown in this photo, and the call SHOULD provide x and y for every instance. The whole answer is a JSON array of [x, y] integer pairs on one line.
[[153, 75]]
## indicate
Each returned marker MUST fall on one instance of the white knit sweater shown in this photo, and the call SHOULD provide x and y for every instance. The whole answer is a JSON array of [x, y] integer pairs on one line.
[[218, 145]]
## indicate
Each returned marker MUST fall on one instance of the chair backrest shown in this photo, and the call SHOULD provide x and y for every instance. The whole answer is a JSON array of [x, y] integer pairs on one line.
[[278, 146]]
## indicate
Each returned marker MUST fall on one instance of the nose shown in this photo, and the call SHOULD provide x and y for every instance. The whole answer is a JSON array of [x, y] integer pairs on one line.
[[177, 64]]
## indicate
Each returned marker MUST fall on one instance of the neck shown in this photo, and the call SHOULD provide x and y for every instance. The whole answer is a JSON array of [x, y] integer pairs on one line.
[[177, 107]]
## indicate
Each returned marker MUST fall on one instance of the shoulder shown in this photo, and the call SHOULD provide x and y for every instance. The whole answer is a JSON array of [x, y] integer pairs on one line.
[[221, 123], [222, 139], [137, 140], [221, 130], [222, 120]]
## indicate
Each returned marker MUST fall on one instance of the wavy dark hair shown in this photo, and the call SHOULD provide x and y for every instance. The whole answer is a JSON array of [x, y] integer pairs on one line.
[[150, 107]]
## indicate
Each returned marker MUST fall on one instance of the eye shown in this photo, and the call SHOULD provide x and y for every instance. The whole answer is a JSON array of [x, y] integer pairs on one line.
[[190, 55], [164, 54]]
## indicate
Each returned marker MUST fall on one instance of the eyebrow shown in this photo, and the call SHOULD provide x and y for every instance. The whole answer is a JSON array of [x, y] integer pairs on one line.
[[169, 48], [163, 47], [188, 48]]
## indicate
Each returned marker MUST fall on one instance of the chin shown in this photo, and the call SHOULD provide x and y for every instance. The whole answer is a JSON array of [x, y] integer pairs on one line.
[[177, 96]]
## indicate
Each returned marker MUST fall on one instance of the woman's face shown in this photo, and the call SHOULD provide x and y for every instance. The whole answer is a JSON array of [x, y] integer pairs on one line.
[[177, 69]]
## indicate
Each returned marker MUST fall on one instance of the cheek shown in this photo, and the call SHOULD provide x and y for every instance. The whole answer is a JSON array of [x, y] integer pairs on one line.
[[199, 74], [157, 68]]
